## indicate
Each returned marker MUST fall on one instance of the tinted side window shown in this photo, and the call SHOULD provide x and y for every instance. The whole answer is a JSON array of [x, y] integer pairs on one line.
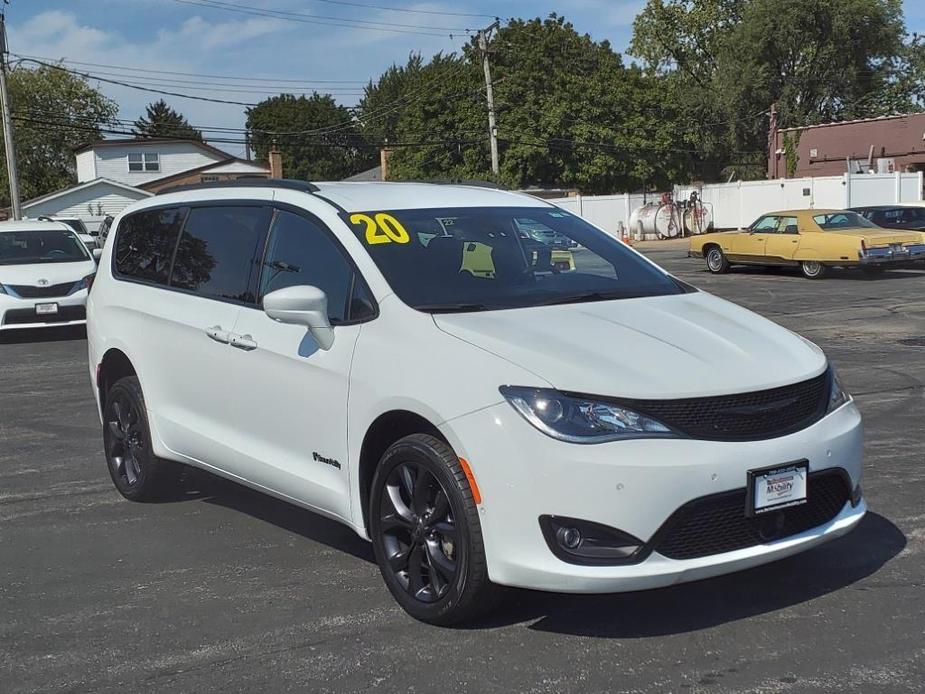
[[217, 251], [300, 252], [145, 244]]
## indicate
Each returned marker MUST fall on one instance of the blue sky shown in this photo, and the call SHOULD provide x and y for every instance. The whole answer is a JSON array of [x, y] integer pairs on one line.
[[185, 36]]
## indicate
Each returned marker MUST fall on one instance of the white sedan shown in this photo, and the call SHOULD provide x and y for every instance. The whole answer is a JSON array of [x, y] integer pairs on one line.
[[45, 273]]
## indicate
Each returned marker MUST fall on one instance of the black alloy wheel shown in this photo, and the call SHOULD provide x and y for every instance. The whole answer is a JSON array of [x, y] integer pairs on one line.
[[135, 471], [419, 532], [125, 440], [427, 538]]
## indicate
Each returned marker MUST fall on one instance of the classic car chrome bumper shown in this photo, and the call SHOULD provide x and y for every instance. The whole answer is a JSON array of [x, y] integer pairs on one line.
[[893, 254]]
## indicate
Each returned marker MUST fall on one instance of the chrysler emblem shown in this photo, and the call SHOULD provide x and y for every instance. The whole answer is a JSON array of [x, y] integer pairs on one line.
[[43, 283]]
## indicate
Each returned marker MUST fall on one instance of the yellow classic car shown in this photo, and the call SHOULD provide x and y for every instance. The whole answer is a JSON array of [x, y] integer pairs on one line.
[[811, 239]]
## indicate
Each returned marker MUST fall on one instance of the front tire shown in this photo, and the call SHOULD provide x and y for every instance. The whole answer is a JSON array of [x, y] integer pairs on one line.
[[813, 269], [716, 261], [135, 471], [427, 539]]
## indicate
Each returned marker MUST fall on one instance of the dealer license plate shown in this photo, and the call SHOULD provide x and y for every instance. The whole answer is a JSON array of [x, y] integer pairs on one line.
[[774, 488], [46, 309]]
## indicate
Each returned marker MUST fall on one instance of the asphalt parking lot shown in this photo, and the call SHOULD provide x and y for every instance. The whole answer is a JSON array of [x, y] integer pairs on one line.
[[225, 590]]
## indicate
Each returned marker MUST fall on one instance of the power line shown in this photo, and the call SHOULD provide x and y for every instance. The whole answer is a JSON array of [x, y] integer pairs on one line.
[[127, 68], [87, 75], [305, 18], [199, 85], [357, 143], [404, 9]]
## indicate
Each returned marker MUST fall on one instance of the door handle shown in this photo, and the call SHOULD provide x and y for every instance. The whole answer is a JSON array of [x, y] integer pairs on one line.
[[245, 342], [218, 334]]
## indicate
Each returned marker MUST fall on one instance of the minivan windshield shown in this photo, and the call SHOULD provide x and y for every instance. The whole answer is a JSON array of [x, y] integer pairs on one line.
[[41, 246], [485, 258]]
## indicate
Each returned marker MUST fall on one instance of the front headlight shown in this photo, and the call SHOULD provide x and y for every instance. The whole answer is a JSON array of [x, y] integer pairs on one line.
[[838, 396], [580, 420], [2, 289]]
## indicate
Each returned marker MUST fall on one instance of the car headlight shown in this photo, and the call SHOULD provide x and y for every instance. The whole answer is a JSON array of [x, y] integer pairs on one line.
[[2, 289], [581, 420], [838, 396]]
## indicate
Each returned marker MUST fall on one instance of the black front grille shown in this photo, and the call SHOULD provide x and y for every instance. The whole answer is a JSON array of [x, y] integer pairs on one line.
[[761, 414], [20, 316], [29, 292], [717, 523]]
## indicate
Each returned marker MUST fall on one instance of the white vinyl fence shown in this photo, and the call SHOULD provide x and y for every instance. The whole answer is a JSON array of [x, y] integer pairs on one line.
[[738, 204]]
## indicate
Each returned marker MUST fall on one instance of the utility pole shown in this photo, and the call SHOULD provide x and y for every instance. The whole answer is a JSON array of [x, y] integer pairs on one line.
[[15, 207], [773, 165], [484, 36]]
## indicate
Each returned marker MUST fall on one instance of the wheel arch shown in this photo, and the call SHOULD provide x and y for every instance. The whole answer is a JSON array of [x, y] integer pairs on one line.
[[385, 430], [114, 365]]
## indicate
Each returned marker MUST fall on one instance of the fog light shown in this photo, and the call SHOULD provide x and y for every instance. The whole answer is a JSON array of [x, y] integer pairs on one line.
[[570, 538], [579, 541]]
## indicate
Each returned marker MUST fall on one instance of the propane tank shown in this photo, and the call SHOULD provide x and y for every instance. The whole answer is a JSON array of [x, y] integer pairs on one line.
[[661, 219], [698, 218]]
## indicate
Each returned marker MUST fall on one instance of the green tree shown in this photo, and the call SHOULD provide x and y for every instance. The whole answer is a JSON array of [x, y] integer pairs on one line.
[[318, 139], [379, 111], [438, 128], [160, 120], [724, 62], [54, 111], [572, 115], [569, 114]]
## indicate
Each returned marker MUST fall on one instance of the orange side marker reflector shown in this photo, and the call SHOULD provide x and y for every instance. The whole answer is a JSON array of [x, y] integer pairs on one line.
[[476, 494]]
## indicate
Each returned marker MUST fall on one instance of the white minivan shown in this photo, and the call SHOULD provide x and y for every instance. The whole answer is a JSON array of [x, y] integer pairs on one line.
[[45, 272], [410, 360]]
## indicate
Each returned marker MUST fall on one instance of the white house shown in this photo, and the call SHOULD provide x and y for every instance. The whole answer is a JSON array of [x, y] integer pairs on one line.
[[112, 174], [153, 163]]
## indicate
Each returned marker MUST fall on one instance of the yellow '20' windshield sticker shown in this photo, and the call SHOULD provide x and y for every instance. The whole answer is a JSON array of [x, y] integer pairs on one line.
[[381, 228]]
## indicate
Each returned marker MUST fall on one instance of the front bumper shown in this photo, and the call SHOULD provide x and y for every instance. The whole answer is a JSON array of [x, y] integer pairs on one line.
[[20, 314], [633, 486], [894, 254]]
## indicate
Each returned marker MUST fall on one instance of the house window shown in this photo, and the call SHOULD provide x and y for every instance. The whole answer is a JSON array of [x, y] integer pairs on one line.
[[209, 178], [144, 161]]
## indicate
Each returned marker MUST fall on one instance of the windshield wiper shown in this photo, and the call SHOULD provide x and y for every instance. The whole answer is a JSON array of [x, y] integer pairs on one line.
[[580, 298], [451, 308]]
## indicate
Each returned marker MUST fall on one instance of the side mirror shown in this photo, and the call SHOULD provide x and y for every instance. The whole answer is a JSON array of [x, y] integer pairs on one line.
[[97, 254], [302, 305]]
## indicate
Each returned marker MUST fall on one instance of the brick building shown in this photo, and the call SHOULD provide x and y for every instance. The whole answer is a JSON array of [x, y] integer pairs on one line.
[[881, 145]]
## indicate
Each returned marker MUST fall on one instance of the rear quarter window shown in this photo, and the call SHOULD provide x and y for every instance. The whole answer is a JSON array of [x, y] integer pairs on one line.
[[145, 244]]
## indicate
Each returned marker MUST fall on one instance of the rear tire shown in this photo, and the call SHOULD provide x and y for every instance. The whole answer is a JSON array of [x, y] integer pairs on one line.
[[813, 269], [135, 471], [427, 539], [716, 261]]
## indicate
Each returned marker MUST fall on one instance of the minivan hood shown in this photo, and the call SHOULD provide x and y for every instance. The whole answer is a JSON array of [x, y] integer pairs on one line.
[[53, 273], [659, 347]]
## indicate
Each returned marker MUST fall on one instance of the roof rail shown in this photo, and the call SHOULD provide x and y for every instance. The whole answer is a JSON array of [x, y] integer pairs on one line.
[[246, 182], [475, 183]]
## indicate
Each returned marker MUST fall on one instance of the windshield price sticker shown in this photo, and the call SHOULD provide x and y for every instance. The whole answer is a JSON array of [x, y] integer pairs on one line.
[[381, 228]]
